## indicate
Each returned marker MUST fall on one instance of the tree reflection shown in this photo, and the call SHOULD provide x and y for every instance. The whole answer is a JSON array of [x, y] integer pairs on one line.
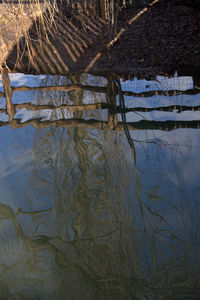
[[93, 240]]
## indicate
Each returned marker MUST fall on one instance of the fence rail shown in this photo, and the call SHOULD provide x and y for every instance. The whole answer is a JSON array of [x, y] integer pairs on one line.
[[102, 125]]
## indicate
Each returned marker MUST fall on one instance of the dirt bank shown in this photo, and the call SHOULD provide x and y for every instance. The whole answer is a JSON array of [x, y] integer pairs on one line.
[[158, 39]]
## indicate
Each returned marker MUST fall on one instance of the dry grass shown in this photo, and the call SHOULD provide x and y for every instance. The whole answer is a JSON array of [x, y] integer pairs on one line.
[[17, 18]]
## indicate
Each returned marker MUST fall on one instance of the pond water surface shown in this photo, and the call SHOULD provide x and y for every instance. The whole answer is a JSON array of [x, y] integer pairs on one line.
[[90, 210]]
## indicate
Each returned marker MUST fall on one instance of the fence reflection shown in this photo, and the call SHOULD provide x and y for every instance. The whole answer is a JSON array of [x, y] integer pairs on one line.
[[86, 229], [111, 92]]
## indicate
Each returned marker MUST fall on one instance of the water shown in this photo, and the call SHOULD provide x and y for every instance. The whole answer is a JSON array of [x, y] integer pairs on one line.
[[81, 215]]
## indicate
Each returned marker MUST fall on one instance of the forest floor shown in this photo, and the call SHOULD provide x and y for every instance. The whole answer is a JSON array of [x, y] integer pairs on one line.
[[159, 39]]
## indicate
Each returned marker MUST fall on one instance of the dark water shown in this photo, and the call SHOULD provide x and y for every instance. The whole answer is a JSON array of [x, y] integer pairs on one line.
[[81, 215]]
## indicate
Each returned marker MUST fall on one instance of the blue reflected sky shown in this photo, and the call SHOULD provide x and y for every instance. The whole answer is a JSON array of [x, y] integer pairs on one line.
[[79, 218]]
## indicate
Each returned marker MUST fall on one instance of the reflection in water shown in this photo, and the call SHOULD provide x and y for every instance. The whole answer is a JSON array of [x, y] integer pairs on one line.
[[78, 219]]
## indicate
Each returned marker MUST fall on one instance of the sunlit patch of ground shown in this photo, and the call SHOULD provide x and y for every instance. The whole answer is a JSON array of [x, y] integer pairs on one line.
[[15, 20]]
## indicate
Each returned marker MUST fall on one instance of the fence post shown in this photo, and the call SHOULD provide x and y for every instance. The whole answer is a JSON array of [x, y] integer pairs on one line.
[[8, 92]]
